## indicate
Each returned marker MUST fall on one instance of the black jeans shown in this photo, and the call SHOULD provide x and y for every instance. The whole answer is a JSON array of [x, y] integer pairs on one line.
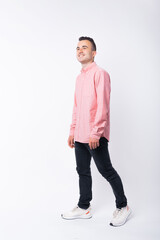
[[101, 157]]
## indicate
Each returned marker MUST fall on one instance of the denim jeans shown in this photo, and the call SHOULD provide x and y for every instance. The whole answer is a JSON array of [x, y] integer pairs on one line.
[[101, 157]]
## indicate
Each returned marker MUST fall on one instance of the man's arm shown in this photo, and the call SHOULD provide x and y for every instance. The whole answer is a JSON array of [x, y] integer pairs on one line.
[[102, 84], [73, 124]]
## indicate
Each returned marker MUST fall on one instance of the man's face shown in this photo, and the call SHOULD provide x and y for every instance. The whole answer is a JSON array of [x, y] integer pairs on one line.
[[85, 54]]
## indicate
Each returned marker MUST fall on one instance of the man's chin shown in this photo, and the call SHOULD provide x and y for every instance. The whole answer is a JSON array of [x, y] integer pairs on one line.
[[82, 61]]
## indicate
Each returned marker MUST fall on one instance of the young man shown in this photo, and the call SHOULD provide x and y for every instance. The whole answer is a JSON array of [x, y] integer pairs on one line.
[[90, 133]]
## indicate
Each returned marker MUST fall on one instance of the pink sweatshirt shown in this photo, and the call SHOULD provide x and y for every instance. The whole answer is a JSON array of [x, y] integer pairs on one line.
[[91, 109]]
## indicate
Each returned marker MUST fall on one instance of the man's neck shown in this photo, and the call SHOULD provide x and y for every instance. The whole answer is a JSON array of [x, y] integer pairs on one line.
[[86, 64]]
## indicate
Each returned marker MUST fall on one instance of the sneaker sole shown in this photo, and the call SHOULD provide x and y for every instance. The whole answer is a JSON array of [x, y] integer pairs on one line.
[[118, 225], [78, 217]]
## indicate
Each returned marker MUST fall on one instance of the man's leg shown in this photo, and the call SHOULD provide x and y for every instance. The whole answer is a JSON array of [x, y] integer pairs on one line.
[[83, 159], [103, 163]]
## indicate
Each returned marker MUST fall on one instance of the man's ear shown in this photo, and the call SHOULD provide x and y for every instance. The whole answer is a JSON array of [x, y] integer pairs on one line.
[[94, 54]]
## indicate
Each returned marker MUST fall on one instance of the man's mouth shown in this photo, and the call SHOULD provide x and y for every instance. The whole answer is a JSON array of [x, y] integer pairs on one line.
[[80, 55]]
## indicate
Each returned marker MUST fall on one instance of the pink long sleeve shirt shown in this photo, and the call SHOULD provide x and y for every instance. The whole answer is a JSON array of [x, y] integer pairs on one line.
[[91, 109]]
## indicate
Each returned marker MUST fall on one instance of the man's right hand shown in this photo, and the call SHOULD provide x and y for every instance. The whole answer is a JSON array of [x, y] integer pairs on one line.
[[71, 141]]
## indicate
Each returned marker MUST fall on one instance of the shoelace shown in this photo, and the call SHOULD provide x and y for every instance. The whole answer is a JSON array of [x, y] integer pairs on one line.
[[118, 212], [74, 208], [77, 207]]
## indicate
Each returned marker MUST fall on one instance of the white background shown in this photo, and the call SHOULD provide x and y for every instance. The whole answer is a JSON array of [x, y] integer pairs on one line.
[[38, 68]]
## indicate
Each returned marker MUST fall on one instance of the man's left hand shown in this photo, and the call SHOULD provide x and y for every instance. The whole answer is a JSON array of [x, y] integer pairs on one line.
[[93, 143]]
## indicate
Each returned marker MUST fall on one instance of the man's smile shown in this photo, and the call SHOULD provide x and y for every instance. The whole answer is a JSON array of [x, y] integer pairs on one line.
[[81, 54]]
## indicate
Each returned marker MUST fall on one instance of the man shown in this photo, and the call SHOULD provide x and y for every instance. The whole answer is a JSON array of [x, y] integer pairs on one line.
[[90, 133]]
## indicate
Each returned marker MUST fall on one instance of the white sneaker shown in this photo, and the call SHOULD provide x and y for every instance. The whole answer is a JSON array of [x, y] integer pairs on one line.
[[120, 216], [77, 212]]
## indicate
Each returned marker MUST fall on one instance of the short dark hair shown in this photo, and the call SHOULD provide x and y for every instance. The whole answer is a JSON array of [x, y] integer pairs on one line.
[[91, 40]]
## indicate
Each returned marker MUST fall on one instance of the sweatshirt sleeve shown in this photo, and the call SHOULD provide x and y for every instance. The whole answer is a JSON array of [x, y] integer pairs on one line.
[[102, 85], [73, 124]]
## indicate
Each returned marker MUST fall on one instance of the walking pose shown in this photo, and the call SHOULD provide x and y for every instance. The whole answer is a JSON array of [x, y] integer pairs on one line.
[[90, 133]]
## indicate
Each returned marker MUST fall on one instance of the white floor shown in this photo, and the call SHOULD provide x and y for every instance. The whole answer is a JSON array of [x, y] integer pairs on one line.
[[43, 221]]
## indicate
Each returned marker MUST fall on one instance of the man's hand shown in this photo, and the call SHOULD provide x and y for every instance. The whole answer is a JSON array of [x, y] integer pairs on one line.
[[93, 143], [71, 141]]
